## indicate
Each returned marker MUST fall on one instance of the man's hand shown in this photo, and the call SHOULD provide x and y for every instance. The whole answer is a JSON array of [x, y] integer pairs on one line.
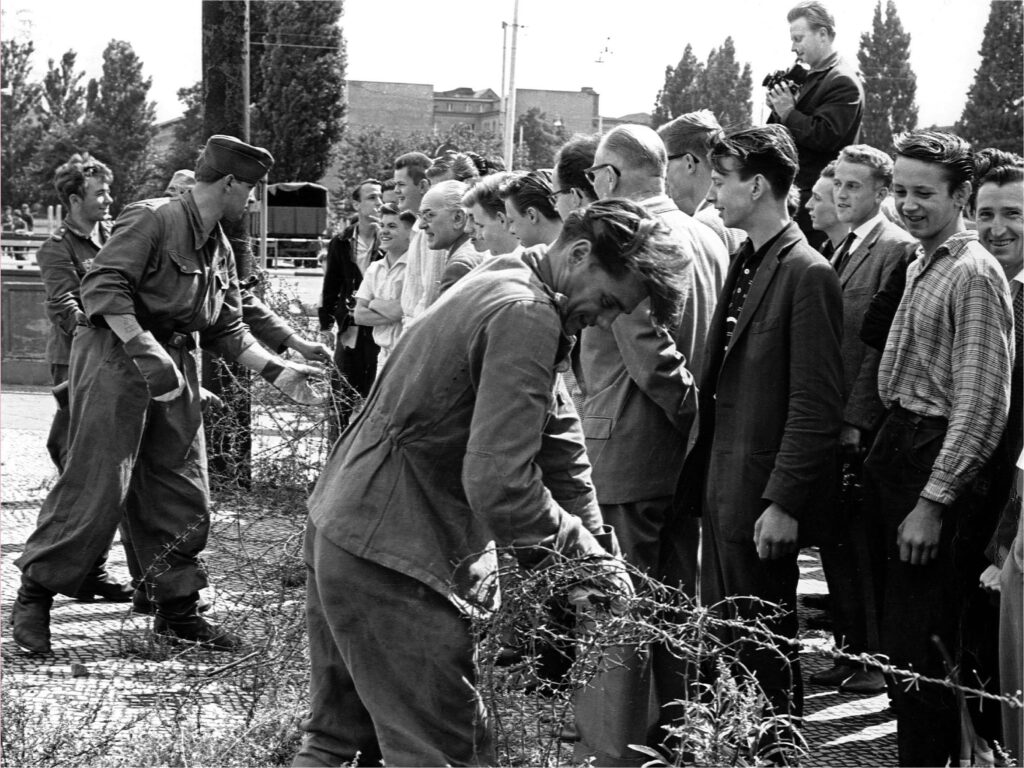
[[327, 339], [314, 351], [775, 533], [293, 379], [990, 579], [781, 100], [849, 440], [918, 536], [608, 586], [209, 401]]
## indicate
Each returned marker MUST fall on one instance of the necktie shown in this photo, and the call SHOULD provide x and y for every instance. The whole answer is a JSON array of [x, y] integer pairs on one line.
[[843, 254]]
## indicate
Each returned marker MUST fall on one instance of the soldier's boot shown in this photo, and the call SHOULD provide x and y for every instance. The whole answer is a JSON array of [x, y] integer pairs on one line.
[[179, 621], [30, 617], [101, 584]]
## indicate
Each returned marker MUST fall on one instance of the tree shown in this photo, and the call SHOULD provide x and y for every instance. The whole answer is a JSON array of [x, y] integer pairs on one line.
[[540, 138], [120, 124], [994, 113], [890, 84], [719, 85], [676, 97], [189, 134], [300, 110], [63, 97], [21, 125]]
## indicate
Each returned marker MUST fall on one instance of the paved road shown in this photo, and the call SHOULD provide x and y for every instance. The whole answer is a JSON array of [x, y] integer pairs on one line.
[[841, 730]]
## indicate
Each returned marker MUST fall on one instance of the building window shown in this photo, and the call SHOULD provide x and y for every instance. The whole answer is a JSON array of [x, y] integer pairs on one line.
[[449, 106]]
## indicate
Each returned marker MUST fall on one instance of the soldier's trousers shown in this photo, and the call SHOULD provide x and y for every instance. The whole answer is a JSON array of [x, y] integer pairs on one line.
[[129, 459]]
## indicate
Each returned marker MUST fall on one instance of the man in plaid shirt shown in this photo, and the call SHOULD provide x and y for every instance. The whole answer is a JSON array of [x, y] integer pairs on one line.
[[944, 377]]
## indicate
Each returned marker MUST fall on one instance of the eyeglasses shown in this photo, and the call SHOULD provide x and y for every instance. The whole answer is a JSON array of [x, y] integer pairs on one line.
[[696, 160], [591, 172], [553, 197]]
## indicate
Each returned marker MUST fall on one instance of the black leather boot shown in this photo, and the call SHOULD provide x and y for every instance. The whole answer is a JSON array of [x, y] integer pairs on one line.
[[100, 584], [30, 617], [179, 621]]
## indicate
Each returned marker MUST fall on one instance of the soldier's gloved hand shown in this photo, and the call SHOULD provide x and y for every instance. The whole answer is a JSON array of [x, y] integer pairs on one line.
[[294, 380], [209, 401], [606, 583], [162, 376]]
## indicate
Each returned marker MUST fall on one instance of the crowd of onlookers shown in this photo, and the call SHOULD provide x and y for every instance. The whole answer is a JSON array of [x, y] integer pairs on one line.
[[693, 350], [19, 220]]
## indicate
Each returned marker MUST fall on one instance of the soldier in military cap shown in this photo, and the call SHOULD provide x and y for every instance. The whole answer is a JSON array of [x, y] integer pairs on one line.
[[83, 186], [136, 438]]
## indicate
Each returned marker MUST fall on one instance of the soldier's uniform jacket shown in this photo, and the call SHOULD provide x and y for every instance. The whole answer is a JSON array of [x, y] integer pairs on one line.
[[160, 266], [63, 260]]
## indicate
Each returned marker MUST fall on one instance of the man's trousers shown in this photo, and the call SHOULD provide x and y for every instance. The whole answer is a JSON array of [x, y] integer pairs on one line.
[[392, 668], [613, 710], [920, 602], [130, 460]]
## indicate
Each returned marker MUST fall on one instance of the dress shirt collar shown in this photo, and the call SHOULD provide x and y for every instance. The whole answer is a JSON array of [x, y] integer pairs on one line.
[[862, 232], [828, 63]]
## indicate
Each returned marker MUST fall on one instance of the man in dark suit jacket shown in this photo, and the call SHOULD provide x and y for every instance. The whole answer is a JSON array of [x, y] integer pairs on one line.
[[348, 256], [825, 114], [871, 251], [770, 403]]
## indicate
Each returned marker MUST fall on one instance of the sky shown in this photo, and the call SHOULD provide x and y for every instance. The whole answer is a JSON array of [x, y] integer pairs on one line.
[[618, 48]]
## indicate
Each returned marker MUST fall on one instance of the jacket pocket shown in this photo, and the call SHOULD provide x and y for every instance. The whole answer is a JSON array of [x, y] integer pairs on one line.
[[184, 263], [597, 427], [768, 324]]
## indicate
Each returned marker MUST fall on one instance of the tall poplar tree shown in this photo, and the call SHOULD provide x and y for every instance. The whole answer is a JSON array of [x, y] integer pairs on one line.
[[21, 128], [120, 122], [994, 113], [300, 108], [890, 85], [720, 85]]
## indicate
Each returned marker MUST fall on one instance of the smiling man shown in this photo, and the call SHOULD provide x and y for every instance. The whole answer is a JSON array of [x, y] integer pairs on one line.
[[770, 403], [870, 252], [443, 223], [136, 450], [468, 439], [825, 113], [944, 377], [487, 218]]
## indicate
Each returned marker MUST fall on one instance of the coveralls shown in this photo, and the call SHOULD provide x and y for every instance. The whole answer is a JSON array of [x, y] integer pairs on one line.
[[129, 455]]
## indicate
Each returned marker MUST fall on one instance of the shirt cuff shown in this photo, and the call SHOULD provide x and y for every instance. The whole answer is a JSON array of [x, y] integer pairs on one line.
[[941, 488]]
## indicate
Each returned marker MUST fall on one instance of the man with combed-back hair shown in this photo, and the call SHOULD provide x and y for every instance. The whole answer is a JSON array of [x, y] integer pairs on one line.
[[468, 439], [487, 219], [688, 141], [944, 378], [770, 408], [867, 256], [826, 112], [571, 189], [638, 409]]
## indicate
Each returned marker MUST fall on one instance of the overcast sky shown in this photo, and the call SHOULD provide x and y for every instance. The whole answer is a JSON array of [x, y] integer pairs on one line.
[[454, 43]]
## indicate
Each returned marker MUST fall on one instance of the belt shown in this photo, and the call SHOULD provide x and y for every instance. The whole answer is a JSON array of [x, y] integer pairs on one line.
[[175, 339], [901, 413]]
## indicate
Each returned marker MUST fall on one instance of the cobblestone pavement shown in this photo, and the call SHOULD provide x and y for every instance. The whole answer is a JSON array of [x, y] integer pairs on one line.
[[100, 662]]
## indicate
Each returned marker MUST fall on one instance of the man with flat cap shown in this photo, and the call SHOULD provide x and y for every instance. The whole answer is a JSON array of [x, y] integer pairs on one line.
[[166, 276]]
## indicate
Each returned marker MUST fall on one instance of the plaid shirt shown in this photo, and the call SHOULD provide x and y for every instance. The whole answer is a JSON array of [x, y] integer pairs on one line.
[[949, 354]]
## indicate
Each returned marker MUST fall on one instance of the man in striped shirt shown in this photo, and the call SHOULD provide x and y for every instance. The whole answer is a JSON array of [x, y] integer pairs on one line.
[[944, 377]]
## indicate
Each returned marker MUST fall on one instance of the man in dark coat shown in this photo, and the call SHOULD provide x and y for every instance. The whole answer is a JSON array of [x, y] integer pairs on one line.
[[770, 402], [825, 113]]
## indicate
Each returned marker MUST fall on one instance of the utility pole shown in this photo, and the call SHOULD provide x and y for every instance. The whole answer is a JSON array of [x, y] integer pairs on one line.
[[246, 87], [510, 107]]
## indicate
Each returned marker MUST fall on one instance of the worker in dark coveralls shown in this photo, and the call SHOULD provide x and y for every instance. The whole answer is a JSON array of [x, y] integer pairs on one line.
[[136, 438], [83, 186], [468, 437]]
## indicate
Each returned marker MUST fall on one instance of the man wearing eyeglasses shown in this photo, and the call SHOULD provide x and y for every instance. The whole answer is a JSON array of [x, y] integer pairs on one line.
[[572, 188], [637, 414], [688, 140]]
